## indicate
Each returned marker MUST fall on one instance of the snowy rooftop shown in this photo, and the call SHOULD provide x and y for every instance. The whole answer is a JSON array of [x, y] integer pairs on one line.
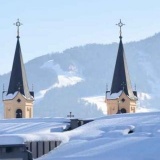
[[113, 95], [11, 96], [105, 138], [18, 131]]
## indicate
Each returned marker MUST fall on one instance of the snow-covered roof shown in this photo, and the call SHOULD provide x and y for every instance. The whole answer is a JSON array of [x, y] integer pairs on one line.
[[117, 95], [113, 95], [9, 96], [18, 131], [12, 96], [109, 138], [105, 138]]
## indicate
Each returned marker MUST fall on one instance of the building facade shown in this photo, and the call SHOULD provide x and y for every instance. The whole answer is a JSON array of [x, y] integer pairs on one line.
[[121, 98], [18, 100]]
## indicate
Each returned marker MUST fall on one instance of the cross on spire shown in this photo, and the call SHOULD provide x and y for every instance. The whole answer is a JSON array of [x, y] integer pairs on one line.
[[106, 87], [70, 115], [32, 87], [19, 86], [3, 87], [135, 87], [18, 24], [123, 84], [120, 24]]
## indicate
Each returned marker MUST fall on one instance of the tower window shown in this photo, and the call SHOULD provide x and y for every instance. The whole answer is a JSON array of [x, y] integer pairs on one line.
[[123, 110], [18, 113], [123, 100], [18, 100]]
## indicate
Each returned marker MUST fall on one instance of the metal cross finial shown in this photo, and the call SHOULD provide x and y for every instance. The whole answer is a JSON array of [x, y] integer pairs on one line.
[[18, 24], [123, 84], [19, 86], [135, 87], [106, 87], [3, 87], [120, 24], [70, 115], [32, 87]]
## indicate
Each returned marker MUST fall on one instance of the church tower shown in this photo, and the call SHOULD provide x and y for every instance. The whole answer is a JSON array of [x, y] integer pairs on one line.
[[18, 100], [121, 98]]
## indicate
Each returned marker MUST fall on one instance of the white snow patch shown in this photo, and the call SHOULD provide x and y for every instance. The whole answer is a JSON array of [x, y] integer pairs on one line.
[[22, 138], [41, 93], [142, 109], [144, 96], [9, 96], [65, 79], [143, 100], [113, 95], [72, 69], [10, 139], [99, 101], [12, 96], [18, 131]]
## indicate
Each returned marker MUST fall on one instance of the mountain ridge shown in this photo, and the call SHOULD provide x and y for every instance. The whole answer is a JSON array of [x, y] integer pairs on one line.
[[87, 69]]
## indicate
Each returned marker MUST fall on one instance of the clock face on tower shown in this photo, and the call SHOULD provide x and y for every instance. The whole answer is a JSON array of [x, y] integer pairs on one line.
[[18, 100]]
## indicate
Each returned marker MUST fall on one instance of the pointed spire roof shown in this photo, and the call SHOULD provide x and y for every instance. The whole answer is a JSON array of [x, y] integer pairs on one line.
[[18, 79], [121, 79]]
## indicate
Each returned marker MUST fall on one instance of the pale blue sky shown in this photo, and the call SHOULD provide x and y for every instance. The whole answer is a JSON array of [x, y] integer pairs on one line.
[[55, 25]]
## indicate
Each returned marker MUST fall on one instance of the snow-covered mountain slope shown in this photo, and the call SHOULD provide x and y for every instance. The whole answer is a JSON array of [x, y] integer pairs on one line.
[[109, 138], [73, 80]]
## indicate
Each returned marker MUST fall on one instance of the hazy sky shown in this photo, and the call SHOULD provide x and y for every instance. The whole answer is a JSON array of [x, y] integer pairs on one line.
[[55, 25]]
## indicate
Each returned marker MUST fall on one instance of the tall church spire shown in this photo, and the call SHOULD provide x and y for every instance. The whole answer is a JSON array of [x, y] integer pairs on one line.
[[121, 98], [121, 79], [18, 102], [18, 79]]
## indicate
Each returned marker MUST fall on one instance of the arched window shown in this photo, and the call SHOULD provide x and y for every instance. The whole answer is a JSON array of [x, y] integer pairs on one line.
[[18, 113], [123, 110]]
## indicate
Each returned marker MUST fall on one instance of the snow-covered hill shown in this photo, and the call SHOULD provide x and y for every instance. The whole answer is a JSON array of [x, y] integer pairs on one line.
[[109, 138], [76, 79], [116, 137]]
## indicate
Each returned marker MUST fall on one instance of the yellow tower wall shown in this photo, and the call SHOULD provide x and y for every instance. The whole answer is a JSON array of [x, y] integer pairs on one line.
[[11, 106], [123, 101]]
